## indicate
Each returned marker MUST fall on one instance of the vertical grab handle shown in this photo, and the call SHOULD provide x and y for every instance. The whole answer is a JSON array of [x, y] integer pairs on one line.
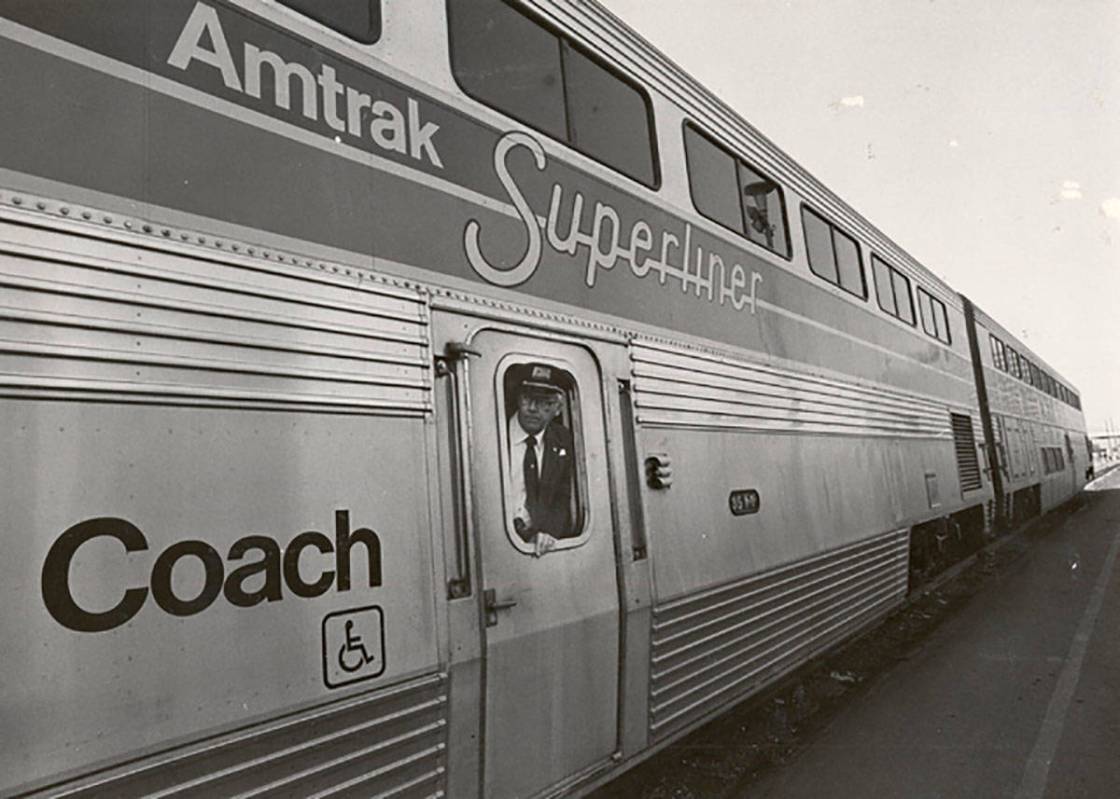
[[638, 544], [449, 366]]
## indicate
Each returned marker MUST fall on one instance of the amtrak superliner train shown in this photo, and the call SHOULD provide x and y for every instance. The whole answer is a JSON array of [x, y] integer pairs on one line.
[[447, 398]]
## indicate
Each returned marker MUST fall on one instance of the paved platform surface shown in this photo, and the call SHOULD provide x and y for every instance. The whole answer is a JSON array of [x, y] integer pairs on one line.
[[1017, 695]]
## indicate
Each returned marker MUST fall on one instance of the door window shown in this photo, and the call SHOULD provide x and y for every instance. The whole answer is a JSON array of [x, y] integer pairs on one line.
[[540, 438]]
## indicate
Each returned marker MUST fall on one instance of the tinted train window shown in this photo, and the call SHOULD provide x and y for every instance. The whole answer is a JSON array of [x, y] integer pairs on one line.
[[729, 191], [892, 288], [884, 290], [608, 118], [542, 454], [997, 352], [509, 61], [818, 244], [903, 297], [935, 319], [833, 254], [712, 181], [764, 208], [358, 19]]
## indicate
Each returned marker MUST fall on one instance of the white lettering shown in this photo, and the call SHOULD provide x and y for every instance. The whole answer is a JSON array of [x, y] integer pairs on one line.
[[420, 136], [597, 256], [282, 73], [571, 243], [204, 19], [641, 239], [356, 102], [532, 257], [603, 241], [390, 128], [387, 128], [332, 90]]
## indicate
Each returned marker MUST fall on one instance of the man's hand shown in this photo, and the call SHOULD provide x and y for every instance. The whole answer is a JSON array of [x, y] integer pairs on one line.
[[542, 543]]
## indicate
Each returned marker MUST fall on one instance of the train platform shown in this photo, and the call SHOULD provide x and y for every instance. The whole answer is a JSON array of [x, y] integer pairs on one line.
[[998, 682], [1016, 695]]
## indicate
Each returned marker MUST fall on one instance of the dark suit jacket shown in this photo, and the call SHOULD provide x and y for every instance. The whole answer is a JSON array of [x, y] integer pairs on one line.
[[552, 513]]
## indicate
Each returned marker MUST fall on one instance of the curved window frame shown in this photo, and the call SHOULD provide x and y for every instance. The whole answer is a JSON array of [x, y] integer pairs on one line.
[[579, 465], [893, 273], [689, 127], [566, 41], [997, 351], [834, 230], [934, 304], [319, 12]]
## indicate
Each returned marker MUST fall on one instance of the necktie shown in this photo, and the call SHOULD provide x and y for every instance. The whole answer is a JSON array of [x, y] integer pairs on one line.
[[532, 473]]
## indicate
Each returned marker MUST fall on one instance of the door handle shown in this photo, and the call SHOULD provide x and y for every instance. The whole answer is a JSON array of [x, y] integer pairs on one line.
[[492, 605]]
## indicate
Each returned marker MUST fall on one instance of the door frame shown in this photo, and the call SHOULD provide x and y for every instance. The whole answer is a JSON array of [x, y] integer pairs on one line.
[[455, 323]]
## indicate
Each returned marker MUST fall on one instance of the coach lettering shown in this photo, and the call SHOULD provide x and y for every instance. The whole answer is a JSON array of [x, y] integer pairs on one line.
[[56, 576], [278, 569]]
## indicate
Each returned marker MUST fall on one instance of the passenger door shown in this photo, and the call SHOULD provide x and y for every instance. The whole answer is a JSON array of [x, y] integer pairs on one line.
[[551, 622]]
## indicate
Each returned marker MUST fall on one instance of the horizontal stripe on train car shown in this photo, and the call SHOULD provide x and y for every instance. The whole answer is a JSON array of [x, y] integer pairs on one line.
[[389, 743], [718, 645], [90, 319], [208, 128], [678, 388]]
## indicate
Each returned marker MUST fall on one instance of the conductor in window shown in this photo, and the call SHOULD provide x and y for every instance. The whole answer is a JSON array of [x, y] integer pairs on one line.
[[540, 459]]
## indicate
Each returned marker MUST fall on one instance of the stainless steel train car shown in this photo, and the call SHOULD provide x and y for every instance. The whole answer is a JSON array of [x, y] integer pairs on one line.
[[445, 398], [1034, 422]]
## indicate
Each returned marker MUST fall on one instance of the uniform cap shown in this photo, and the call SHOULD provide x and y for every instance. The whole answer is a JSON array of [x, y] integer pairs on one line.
[[539, 377]]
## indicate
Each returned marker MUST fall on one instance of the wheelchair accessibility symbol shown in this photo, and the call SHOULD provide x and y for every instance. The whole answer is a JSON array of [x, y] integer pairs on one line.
[[353, 645]]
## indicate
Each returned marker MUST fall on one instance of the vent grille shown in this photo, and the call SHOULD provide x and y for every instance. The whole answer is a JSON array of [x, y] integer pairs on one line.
[[86, 319], [721, 644], [677, 387], [968, 463], [390, 743]]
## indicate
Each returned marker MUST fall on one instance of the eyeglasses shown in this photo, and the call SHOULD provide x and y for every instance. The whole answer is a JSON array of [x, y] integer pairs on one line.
[[530, 400]]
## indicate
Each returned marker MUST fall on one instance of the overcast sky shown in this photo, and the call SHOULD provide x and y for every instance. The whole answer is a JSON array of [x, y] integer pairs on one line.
[[982, 136]]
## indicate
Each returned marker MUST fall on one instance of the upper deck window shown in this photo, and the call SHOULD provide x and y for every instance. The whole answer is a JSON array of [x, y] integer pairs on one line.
[[508, 60], [892, 288], [833, 254], [935, 319], [728, 190], [1012, 362], [997, 353], [358, 19]]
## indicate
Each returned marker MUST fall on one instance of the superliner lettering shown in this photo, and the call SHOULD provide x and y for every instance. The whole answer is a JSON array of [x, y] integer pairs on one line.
[[606, 242], [278, 569], [324, 95]]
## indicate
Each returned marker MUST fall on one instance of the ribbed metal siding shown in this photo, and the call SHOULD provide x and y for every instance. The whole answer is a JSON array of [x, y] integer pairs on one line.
[[85, 318], [718, 645], [388, 744], [678, 387], [964, 444]]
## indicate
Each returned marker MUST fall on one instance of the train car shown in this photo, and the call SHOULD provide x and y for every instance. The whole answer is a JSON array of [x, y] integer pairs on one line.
[[1040, 454], [440, 398]]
